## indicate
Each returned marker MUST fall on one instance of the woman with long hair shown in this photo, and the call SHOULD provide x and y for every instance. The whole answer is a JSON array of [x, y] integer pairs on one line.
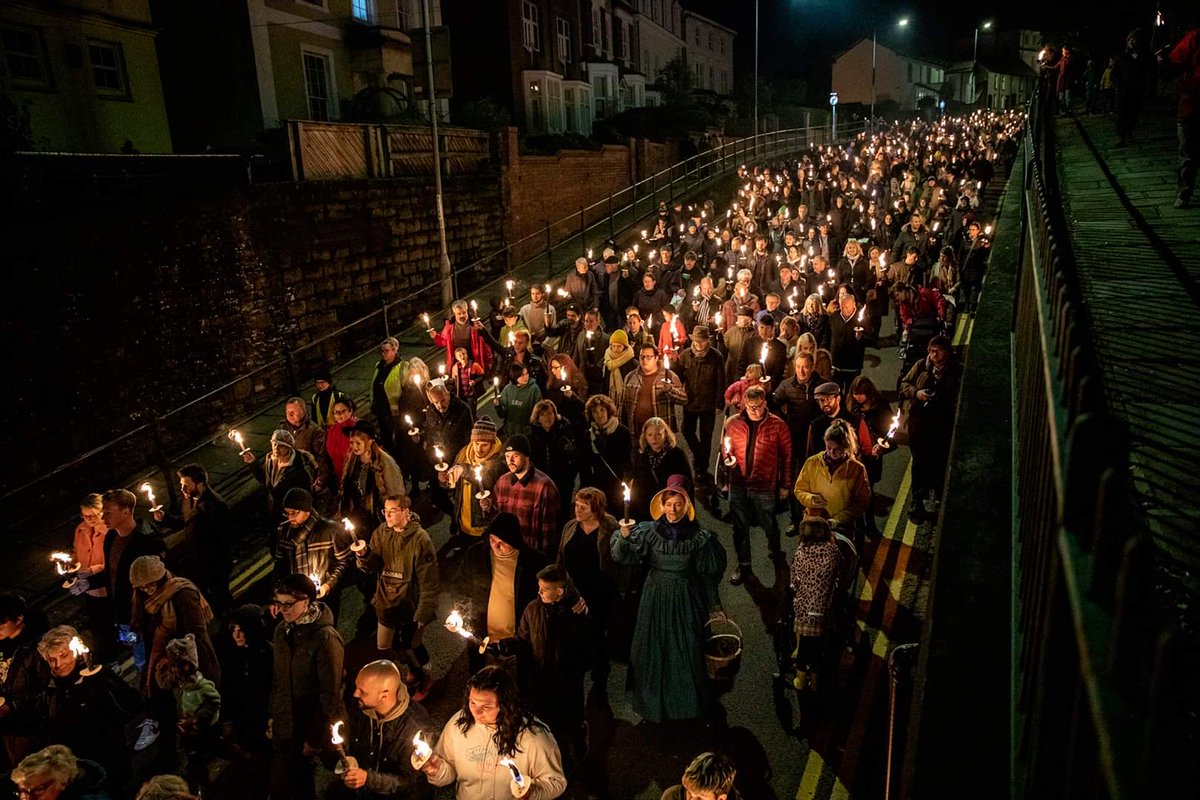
[[681, 593], [568, 388], [492, 724], [619, 361], [815, 320], [554, 442], [866, 401]]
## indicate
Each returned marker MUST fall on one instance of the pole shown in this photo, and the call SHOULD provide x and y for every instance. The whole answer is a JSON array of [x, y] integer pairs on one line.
[[974, 60], [756, 67], [873, 43], [445, 271]]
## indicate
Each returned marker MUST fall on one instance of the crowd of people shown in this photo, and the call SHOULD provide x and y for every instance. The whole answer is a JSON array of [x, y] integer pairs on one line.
[[569, 439]]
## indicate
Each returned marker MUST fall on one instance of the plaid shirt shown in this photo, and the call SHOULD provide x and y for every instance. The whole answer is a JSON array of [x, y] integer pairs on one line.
[[668, 390], [534, 501], [318, 547]]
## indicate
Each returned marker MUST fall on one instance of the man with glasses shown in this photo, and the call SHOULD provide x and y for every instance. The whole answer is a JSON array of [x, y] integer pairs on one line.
[[761, 444], [313, 546], [306, 690], [829, 399], [55, 772], [651, 391]]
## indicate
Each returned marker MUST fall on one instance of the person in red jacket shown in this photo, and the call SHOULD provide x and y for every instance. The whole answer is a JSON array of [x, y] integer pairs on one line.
[[459, 331], [1184, 58], [761, 444]]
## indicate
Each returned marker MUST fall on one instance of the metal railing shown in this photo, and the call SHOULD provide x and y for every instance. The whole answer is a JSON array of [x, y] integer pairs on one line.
[[160, 440], [1092, 670]]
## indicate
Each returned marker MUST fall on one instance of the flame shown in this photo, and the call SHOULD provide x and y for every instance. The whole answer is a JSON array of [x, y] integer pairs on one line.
[[861, 312], [517, 777], [408, 420], [717, 319], [894, 426], [437, 452], [236, 437], [762, 357], [336, 730], [474, 307], [478, 469], [425, 319], [347, 524], [421, 747], [496, 383], [666, 362], [625, 493], [78, 647], [509, 286], [512, 338], [562, 374], [60, 556], [316, 579], [454, 623], [417, 381]]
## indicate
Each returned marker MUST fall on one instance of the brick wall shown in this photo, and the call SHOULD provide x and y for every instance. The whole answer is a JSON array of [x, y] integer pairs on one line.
[[116, 312]]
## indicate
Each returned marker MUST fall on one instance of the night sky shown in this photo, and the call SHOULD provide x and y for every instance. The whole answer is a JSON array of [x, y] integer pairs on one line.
[[800, 37]]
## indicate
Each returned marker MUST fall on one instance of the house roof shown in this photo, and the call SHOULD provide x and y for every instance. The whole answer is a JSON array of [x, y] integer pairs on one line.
[[904, 49], [689, 13], [997, 65]]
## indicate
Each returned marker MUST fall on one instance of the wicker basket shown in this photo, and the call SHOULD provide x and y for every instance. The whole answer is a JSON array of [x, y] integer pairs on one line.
[[722, 650]]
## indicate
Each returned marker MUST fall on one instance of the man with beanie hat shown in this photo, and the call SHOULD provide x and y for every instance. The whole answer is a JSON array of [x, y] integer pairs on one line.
[[496, 581], [306, 692], [380, 739], [530, 495], [282, 469], [311, 545], [484, 452]]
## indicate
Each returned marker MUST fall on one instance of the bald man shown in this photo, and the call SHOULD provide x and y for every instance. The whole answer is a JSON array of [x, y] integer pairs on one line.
[[381, 738]]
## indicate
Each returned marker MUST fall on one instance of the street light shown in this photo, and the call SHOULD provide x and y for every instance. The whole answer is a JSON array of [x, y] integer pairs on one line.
[[975, 58], [900, 23]]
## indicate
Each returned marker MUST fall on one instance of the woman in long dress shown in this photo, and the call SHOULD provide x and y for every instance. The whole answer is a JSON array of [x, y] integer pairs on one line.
[[681, 593]]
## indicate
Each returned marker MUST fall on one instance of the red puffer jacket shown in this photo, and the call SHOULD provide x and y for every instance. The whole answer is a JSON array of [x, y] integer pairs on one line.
[[772, 465]]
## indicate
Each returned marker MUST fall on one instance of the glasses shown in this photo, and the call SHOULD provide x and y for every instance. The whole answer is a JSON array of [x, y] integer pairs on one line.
[[35, 791], [755, 406], [648, 358], [341, 412], [286, 604]]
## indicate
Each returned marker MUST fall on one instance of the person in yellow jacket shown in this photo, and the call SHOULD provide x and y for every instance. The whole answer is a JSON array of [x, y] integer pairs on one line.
[[483, 451], [833, 484]]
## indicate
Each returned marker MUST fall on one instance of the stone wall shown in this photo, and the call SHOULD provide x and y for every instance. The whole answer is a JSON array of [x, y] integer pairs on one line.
[[128, 310]]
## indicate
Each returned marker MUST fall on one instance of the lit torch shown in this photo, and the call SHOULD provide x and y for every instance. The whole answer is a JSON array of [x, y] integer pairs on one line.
[[729, 458], [885, 441], [626, 495], [422, 752], [81, 651], [562, 376], [428, 326], [236, 438], [454, 624], [474, 311], [345, 762], [413, 430], [482, 493], [517, 777], [148, 490], [316, 580], [762, 359], [357, 545], [441, 465]]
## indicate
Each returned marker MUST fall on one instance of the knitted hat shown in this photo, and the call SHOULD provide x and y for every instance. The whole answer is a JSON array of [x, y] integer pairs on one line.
[[484, 430], [619, 337], [298, 499], [284, 438], [507, 528], [185, 649], [146, 569], [942, 342], [323, 373], [519, 444], [296, 585]]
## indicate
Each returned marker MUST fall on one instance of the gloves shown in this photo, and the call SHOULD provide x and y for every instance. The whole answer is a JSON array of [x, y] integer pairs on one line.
[[80, 586]]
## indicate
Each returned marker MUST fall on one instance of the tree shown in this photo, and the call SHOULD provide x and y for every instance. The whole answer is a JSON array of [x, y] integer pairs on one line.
[[675, 80]]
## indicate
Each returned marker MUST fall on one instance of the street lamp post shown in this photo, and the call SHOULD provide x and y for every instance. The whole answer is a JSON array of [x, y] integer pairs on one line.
[[975, 59], [901, 23], [756, 71]]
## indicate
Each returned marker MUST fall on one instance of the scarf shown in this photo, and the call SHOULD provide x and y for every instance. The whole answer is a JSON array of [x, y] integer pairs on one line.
[[673, 531], [613, 363]]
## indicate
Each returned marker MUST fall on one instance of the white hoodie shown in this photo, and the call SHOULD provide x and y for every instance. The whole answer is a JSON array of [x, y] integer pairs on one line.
[[471, 759]]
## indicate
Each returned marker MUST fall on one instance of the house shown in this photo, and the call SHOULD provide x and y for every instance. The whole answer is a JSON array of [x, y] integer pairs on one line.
[[709, 50], [999, 82], [87, 74], [900, 75], [234, 71]]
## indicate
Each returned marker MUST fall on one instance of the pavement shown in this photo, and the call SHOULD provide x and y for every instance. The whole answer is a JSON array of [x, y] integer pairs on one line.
[[1139, 265], [832, 743]]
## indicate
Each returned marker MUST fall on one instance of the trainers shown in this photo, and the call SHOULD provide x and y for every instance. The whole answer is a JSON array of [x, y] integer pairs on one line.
[[1181, 202], [147, 736], [736, 577], [422, 689], [792, 531]]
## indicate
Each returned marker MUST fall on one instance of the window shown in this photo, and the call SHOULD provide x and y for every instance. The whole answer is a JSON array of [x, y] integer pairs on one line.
[[721, 39], [554, 106], [108, 68], [318, 85], [596, 36], [24, 56], [563, 35], [571, 110], [910, 72], [710, 41], [626, 33], [696, 35], [646, 62], [362, 10], [537, 107], [712, 84], [605, 32], [530, 32]]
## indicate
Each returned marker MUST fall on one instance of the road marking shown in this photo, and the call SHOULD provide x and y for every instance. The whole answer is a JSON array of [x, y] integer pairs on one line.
[[813, 768]]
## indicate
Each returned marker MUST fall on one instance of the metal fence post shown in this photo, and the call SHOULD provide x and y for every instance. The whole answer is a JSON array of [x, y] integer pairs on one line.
[[386, 328]]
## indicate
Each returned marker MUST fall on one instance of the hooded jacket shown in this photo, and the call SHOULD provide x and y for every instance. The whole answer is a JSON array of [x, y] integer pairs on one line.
[[277, 479], [247, 675], [306, 690], [144, 541], [383, 747], [469, 759], [88, 784], [407, 565], [89, 715], [473, 583]]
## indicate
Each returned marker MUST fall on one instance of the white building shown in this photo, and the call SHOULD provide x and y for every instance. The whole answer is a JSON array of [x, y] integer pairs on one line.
[[901, 77], [709, 53]]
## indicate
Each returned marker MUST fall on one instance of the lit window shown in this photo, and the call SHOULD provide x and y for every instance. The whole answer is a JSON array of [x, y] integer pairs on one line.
[[362, 10]]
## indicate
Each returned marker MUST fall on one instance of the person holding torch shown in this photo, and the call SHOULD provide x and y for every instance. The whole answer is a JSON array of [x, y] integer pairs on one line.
[[494, 747], [382, 739]]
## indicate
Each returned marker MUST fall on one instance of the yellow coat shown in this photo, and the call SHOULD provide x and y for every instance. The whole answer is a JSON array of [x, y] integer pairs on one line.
[[846, 491]]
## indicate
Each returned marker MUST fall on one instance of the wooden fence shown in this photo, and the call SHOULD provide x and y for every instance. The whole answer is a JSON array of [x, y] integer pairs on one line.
[[334, 150]]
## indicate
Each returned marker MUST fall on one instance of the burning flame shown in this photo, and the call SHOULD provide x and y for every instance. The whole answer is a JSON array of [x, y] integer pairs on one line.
[[861, 312], [562, 374], [437, 452], [474, 308], [236, 438], [717, 319], [316, 579], [421, 747], [666, 362], [478, 470], [336, 730], [408, 420], [728, 444], [517, 777], [762, 357], [454, 624], [147, 490], [417, 381], [78, 647], [893, 427], [425, 319], [347, 524], [625, 493]]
